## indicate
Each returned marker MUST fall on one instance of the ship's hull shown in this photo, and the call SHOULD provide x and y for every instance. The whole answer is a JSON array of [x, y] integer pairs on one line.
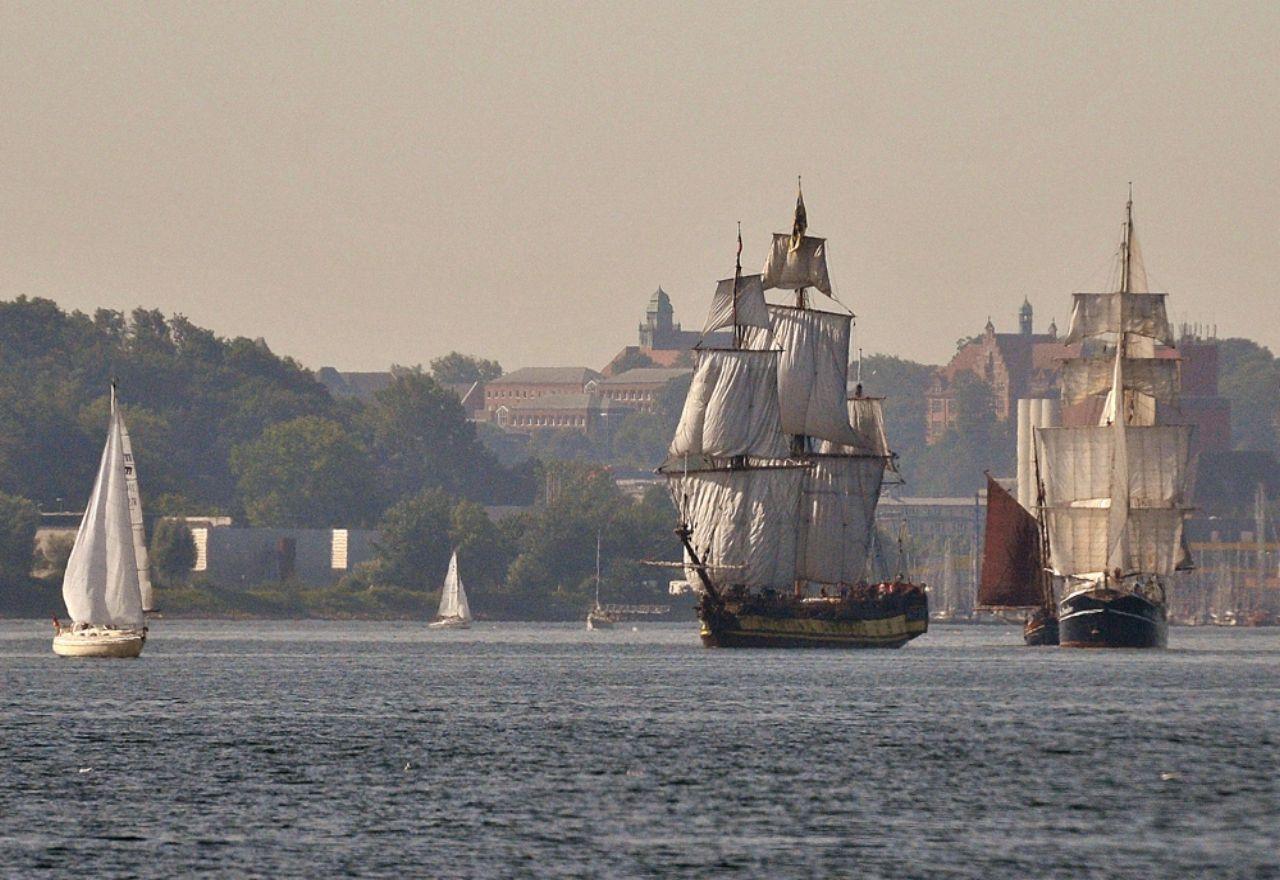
[[1111, 619], [450, 623], [103, 643], [1040, 629], [833, 623]]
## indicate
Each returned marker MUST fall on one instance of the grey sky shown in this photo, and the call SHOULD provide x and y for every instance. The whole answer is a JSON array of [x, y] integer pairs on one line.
[[368, 183]]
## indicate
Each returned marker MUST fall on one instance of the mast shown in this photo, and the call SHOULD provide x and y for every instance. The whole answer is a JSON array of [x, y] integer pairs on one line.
[[597, 569], [737, 281]]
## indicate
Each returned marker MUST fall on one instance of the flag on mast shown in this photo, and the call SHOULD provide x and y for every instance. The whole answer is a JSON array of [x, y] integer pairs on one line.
[[801, 222]]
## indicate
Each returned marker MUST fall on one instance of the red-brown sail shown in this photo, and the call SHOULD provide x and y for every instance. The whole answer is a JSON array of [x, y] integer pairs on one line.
[[1011, 566]]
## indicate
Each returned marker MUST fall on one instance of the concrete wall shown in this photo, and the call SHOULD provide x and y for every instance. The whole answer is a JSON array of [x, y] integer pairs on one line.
[[243, 558]]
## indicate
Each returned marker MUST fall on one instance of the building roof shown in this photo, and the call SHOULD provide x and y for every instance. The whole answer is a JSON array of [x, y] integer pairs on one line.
[[362, 386], [647, 376], [548, 376]]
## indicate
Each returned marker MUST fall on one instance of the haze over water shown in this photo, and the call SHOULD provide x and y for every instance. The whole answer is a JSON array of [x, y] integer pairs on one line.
[[385, 750]]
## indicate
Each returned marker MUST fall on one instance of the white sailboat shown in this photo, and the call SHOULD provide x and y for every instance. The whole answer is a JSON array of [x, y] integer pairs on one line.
[[454, 611], [102, 587], [598, 617]]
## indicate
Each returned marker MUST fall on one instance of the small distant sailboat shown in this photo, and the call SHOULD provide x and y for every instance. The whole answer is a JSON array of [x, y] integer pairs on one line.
[[105, 588], [454, 611], [598, 617]]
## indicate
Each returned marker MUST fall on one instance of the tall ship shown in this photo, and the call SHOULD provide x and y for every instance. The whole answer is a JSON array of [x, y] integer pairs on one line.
[[1114, 494], [775, 469]]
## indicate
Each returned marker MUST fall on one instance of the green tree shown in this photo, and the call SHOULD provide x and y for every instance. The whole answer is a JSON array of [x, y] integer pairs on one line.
[[456, 367], [173, 551], [1249, 376], [421, 439], [304, 472], [414, 542], [18, 521]]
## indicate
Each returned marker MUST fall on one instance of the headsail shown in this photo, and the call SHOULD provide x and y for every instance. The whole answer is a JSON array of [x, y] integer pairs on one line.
[[101, 581]]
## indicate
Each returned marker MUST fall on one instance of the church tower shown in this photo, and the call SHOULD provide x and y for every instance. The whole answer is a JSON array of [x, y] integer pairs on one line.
[[1024, 317]]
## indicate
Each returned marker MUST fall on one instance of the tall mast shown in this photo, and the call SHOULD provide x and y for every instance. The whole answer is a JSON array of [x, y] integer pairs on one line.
[[1126, 279], [597, 569], [798, 228], [737, 279]]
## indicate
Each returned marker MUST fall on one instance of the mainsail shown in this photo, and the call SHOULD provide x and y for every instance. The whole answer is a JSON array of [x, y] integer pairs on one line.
[[453, 596], [1011, 565], [101, 585], [139, 529]]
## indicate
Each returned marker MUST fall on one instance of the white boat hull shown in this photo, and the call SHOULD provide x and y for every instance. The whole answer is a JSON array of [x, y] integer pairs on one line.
[[99, 643], [450, 623]]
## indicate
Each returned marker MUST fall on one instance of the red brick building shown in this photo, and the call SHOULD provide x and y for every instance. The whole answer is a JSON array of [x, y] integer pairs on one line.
[[533, 382], [638, 388]]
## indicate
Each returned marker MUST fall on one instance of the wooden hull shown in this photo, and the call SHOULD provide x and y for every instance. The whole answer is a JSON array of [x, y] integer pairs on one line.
[[1109, 619], [99, 643], [831, 624]]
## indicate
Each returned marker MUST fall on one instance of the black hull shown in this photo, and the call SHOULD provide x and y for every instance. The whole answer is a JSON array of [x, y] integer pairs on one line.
[[1110, 619], [831, 623], [1041, 629]]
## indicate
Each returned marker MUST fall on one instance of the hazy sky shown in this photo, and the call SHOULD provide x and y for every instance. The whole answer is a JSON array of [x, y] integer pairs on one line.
[[373, 183]]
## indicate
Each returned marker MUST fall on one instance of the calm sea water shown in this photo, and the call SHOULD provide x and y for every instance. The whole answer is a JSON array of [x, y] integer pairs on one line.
[[384, 750]]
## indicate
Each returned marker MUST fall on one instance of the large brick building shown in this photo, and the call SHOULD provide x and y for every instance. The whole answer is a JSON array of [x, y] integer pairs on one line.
[[528, 383], [639, 388]]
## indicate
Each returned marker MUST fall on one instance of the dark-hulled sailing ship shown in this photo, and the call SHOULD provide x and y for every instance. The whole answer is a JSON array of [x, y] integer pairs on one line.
[[776, 470], [1013, 572], [1114, 494]]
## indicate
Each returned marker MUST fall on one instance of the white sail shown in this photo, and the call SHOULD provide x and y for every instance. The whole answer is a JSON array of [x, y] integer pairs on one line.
[[1075, 465], [453, 596], [732, 407], [1108, 314], [142, 557], [837, 514], [792, 268], [751, 311], [813, 371], [743, 522], [1079, 542], [101, 586], [1083, 378]]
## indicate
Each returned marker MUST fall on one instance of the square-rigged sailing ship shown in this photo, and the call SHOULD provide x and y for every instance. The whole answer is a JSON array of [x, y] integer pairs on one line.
[[776, 471]]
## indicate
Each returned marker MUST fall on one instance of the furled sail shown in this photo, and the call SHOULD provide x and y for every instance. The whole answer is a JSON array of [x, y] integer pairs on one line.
[[1011, 564], [837, 514], [101, 581], [1108, 314], [793, 265], [453, 596], [813, 371], [752, 311], [742, 522], [1088, 377], [141, 556], [732, 407]]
